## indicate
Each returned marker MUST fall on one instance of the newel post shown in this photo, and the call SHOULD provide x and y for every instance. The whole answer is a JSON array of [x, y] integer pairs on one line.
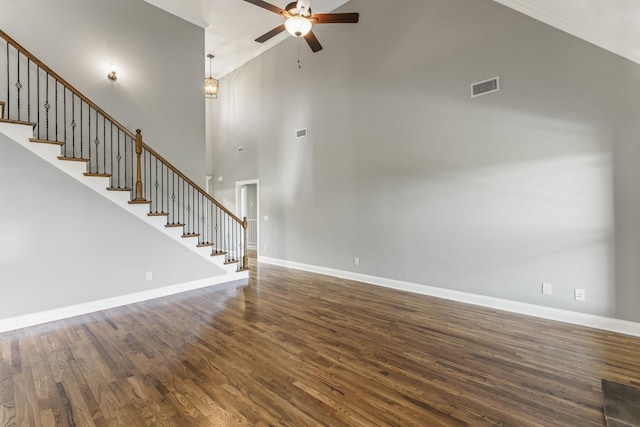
[[245, 258], [139, 195]]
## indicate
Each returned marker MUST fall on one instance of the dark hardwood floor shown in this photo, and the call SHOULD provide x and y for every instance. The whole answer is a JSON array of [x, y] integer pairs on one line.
[[299, 349]]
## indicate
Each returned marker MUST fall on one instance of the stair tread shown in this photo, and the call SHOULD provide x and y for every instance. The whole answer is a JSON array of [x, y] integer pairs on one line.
[[205, 245], [18, 122], [186, 236], [174, 225], [232, 262], [72, 159], [140, 202], [119, 189], [46, 141], [158, 214], [218, 253], [102, 175]]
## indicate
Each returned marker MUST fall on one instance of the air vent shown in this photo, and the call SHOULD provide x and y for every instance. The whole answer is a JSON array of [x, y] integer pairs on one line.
[[240, 150], [301, 133], [485, 87]]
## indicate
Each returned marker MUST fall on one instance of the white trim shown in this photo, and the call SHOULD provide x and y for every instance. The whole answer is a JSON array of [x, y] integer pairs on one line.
[[582, 319], [27, 320], [257, 183], [594, 37]]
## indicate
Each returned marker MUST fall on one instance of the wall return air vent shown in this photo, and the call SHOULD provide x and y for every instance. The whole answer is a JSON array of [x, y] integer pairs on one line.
[[485, 87], [301, 133]]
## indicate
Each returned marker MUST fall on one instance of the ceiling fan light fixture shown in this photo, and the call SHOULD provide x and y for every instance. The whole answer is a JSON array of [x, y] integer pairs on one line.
[[298, 26]]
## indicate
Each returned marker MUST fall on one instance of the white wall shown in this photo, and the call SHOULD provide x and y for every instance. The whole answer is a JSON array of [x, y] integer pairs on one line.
[[159, 60], [62, 244], [402, 169]]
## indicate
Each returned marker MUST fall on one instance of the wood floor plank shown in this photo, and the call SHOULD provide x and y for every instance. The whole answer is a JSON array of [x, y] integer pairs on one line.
[[300, 349]]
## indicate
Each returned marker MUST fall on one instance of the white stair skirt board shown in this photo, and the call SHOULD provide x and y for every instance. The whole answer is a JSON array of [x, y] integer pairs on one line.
[[27, 320], [566, 316], [48, 152]]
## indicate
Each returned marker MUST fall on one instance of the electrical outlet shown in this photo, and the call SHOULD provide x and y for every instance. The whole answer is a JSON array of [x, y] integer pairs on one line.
[[547, 288], [149, 275], [356, 261], [579, 294]]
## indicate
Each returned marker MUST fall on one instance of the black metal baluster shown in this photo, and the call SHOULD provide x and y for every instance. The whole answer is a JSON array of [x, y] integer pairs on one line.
[[164, 188], [111, 153], [173, 197], [73, 124], [38, 98], [156, 184], [56, 108], [200, 219], [131, 145], [190, 209], [147, 160], [228, 243], [64, 120], [47, 106], [82, 130], [89, 139], [8, 84], [104, 145], [179, 200], [119, 157], [28, 89], [18, 85], [126, 181], [97, 143]]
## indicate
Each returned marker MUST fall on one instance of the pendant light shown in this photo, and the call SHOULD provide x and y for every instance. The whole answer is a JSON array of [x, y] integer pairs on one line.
[[211, 85]]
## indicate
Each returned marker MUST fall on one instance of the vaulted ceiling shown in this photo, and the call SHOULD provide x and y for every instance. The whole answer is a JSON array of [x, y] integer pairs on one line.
[[232, 25]]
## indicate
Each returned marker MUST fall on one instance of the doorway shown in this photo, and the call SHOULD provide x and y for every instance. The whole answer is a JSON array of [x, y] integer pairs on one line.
[[248, 205]]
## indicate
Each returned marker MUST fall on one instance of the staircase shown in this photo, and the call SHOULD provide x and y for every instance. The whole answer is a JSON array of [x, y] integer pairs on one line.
[[46, 115]]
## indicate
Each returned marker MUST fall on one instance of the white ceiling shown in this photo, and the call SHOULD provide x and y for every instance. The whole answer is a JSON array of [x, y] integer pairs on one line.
[[232, 25]]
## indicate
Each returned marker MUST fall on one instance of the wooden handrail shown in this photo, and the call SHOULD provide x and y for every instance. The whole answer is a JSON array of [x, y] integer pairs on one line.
[[55, 75], [193, 184], [93, 105]]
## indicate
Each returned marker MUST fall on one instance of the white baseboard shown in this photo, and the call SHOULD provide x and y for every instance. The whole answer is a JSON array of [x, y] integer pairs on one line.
[[573, 317], [27, 320]]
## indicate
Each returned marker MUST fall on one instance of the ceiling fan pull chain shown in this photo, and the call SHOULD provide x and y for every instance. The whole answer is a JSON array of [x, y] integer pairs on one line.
[[299, 63]]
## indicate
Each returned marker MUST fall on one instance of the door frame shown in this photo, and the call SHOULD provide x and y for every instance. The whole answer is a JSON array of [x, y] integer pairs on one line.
[[239, 185]]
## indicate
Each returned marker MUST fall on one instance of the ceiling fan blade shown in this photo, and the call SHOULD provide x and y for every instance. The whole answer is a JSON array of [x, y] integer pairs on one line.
[[313, 42], [268, 6], [335, 18], [266, 36]]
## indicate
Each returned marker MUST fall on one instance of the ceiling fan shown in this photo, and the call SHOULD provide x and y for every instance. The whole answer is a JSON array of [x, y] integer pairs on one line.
[[299, 19]]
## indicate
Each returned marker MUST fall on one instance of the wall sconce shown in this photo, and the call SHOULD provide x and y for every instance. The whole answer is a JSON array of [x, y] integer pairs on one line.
[[211, 85], [112, 74]]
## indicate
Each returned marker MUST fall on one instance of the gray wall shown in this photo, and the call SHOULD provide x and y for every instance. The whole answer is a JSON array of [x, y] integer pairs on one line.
[[493, 195], [63, 244], [252, 201], [159, 59]]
